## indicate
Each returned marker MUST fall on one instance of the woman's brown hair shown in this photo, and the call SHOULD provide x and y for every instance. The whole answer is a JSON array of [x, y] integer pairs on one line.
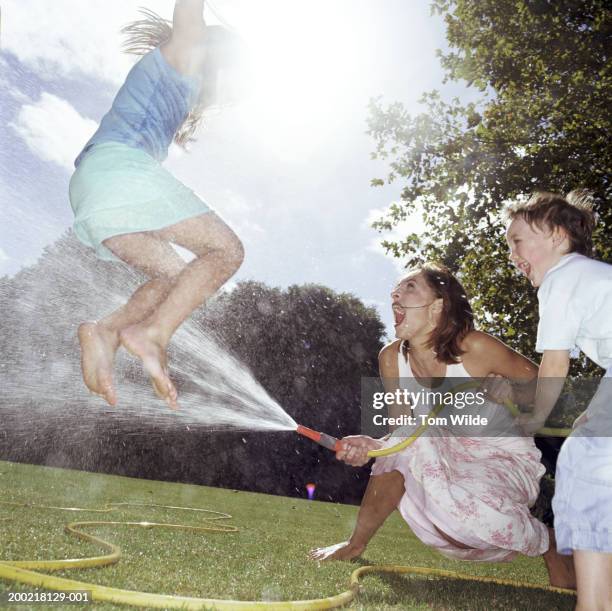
[[456, 319]]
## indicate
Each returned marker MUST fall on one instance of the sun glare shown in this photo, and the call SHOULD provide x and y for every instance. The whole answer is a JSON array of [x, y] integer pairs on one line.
[[306, 60]]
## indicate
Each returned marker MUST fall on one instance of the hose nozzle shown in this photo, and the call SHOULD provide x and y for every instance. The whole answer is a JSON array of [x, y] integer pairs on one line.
[[327, 441]]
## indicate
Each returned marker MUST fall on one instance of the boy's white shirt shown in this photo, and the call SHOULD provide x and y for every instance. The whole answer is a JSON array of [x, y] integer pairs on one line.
[[575, 307]]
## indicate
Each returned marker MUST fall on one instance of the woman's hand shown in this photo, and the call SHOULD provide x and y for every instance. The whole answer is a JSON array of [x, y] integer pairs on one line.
[[354, 449], [497, 388]]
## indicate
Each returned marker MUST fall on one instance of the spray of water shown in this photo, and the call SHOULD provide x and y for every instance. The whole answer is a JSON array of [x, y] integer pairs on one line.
[[40, 371]]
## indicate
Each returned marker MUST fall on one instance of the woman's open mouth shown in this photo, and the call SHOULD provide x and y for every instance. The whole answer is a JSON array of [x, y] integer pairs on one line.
[[399, 314]]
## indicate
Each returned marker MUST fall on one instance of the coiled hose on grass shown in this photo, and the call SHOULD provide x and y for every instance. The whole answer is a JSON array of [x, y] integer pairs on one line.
[[28, 571]]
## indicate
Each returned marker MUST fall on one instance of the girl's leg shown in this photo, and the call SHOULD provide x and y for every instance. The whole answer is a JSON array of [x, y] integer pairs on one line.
[[218, 254], [100, 340], [381, 497], [594, 579]]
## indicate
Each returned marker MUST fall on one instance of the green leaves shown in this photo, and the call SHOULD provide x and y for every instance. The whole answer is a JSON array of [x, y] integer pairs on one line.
[[541, 123]]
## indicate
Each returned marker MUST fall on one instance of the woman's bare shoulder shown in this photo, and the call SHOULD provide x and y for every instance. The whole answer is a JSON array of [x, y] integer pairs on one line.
[[387, 357], [484, 354], [387, 360], [391, 349], [479, 352], [478, 342]]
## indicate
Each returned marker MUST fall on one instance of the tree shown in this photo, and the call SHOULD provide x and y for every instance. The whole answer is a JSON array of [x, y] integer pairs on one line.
[[543, 70], [307, 346]]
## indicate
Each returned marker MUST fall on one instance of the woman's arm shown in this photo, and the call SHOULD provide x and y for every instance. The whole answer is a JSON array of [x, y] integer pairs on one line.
[[354, 449], [487, 356], [389, 374]]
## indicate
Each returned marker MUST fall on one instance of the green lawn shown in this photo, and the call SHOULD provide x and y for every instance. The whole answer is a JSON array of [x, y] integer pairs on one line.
[[266, 559]]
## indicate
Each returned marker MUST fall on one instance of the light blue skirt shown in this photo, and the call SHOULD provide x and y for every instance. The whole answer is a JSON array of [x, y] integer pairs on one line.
[[118, 189]]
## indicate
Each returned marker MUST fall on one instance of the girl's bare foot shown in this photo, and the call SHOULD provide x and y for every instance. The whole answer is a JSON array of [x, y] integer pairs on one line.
[[561, 573], [98, 347], [139, 341], [341, 551]]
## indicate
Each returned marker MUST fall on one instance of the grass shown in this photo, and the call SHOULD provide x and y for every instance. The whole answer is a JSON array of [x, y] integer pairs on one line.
[[265, 560]]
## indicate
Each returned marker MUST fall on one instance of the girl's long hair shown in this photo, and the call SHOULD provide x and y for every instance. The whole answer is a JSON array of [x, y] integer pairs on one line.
[[151, 31]]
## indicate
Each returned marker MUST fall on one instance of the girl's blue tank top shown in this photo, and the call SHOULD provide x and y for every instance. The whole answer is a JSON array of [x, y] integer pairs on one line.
[[148, 108]]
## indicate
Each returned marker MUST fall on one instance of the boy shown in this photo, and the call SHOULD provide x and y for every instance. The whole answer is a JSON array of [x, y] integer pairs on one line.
[[550, 242]]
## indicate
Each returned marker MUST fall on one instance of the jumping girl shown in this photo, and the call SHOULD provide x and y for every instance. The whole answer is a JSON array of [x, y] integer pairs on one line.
[[128, 207]]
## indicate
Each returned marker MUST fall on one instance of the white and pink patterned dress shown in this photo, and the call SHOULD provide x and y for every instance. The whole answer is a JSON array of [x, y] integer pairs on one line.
[[477, 490]]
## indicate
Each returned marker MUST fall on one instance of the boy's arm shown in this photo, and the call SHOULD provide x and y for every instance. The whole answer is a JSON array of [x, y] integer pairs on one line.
[[551, 377]]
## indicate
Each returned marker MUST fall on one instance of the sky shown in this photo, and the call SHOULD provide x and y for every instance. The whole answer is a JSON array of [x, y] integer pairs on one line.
[[289, 168]]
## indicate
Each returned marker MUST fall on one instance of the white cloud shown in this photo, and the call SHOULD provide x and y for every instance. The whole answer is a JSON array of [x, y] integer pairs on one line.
[[375, 303], [27, 226], [53, 129], [239, 213], [5, 263], [15, 93], [185, 254], [412, 224], [68, 37], [6, 86], [229, 286]]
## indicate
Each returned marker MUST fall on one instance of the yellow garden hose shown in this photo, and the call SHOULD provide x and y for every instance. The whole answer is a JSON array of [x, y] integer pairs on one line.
[[26, 571], [331, 443]]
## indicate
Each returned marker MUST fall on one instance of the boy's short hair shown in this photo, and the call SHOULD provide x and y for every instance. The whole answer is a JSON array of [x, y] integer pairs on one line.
[[573, 213]]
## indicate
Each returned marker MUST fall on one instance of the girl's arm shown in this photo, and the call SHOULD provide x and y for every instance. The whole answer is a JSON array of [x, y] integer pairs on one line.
[[188, 19], [185, 49]]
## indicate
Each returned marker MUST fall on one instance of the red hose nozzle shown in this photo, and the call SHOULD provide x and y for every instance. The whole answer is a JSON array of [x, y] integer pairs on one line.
[[327, 441]]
